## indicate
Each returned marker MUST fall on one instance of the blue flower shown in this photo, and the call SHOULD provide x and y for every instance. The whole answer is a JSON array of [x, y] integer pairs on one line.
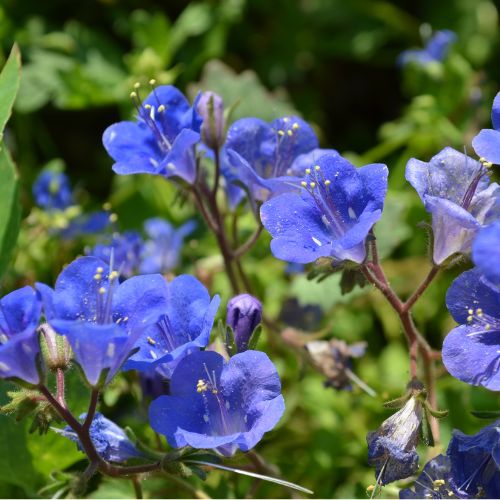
[[161, 141], [331, 216], [435, 49], [244, 313], [126, 249], [218, 405], [92, 223], [100, 317], [185, 319], [471, 350], [487, 143], [109, 440], [486, 252], [392, 448], [475, 463], [154, 382], [160, 254], [433, 481], [260, 155], [52, 191], [456, 191], [19, 345]]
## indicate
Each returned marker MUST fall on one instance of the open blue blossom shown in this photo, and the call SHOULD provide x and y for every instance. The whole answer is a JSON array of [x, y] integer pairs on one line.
[[471, 351], [260, 155], [52, 191], [433, 482], [126, 249], [20, 313], [185, 320], [486, 252], [161, 141], [455, 189], [487, 143], [475, 463], [435, 49], [392, 448], [109, 440], [331, 216], [218, 405], [101, 317], [161, 252]]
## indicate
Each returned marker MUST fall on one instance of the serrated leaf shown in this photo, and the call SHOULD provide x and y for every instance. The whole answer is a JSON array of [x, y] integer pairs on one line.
[[9, 85]]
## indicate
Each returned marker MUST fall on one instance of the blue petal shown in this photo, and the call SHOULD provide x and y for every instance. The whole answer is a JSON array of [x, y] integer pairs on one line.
[[18, 357], [495, 112], [487, 145], [437, 469], [471, 355], [181, 161], [20, 312], [486, 252], [438, 46], [308, 160]]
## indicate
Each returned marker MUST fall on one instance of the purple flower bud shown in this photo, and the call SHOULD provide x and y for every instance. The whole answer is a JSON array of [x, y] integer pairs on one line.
[[244, 313], [211, 108]]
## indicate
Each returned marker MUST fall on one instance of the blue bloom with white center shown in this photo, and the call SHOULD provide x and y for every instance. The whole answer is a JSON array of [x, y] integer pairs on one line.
[[101, 317], [487, 143], [162, 140], [392, 448], [109, 440], [52, 191], [475, 463], [126, 249], [214, 404], [260, 155], [471, 351], [20, 313], [456, 190], [185, 315], [331, 215], [486, 252], [436, 49], [161, 252]]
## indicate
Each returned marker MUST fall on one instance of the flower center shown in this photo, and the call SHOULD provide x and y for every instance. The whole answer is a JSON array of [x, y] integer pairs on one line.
[[285, 140], [104, 299], [471, 189]]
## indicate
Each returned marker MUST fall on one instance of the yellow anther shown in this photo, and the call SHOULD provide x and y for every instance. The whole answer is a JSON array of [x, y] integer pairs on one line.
[[147, 106], [152, 81], [328, 182], [439, 482], [201, 386], [469, 319], [317, 168], [479, 311], [482, 159], [470, 311], [488, 164], [308, 171], [312, 185], [370, 488], [303, 184], [102, 290], [487, 327], [286, 119], [214, 391], [295, 126], [137, 85], [113, 275], [113, 218], [281, 132], [107, 206], [289, 132], [133, 95], [97, 276], [161, 108], [151, 341], [99, 270]]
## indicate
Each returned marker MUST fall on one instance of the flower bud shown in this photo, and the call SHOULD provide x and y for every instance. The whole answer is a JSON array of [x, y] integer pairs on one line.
[[211, 108], [244, 313], [56, 349]]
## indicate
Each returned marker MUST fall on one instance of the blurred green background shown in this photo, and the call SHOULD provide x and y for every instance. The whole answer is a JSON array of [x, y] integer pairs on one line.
[[334, 63]]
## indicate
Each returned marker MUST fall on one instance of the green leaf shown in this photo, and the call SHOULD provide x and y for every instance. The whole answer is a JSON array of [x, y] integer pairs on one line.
[[16, 461], [9, 85], [486, 414], [10, 208]]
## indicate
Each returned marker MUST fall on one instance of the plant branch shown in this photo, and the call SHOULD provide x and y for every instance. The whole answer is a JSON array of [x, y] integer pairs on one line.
[[245, 247], [421, 288]]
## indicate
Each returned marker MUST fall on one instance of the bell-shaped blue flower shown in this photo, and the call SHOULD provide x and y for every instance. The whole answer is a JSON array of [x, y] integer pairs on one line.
[[161, 252], [109, 440], [392, 448], [332, 214], [161, 141], [52, 191], [126, 250], [20, 313], [487, 143], [455, 189], [218, 405], [185, 319], [436, 49], [471, 350], [260, 155], [101, 317], [486, 252]]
